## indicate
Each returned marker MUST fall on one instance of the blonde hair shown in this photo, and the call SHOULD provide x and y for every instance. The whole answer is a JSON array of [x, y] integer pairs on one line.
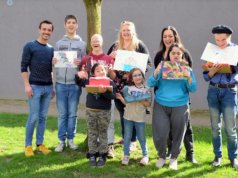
[[134, 42]]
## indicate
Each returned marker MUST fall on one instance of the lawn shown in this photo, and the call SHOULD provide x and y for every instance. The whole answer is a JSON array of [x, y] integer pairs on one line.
[[72, 164]]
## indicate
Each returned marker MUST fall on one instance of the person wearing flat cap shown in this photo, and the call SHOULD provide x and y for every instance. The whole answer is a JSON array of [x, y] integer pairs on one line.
[[222, 100]]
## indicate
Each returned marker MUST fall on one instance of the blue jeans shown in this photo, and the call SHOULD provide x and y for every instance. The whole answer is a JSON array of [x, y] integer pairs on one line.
[[121, 109], [222, 103], [38, 109], [67, 100], [140, 133]]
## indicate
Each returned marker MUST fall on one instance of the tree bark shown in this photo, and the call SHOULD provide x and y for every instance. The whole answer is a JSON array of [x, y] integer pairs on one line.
[[93, 8]]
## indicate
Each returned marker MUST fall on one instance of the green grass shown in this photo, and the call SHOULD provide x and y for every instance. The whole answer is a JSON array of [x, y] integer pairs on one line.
[[72, 164]]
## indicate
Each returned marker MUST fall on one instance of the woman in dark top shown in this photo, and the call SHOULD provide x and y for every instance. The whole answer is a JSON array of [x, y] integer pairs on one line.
[[169, 35], [127, 40]]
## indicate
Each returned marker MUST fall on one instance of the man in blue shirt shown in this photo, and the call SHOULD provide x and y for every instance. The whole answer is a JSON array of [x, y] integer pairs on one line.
[[37, 56], [222, 100]]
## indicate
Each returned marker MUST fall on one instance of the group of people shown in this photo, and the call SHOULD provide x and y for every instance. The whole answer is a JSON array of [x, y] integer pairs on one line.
[[171, 119]]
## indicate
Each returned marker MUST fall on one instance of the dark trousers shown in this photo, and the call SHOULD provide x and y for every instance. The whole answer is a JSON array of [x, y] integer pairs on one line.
[[188, 140], [121, 109]]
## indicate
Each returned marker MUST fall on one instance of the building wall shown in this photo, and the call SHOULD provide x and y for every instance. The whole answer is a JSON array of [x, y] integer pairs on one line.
[[192, 18]]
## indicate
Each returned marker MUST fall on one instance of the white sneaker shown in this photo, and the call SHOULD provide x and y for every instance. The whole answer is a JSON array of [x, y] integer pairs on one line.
[[144, 161], [234, 163], [173, 164], [60, 147], [72, 145], [133, 146], [125, 160], [160, 163]]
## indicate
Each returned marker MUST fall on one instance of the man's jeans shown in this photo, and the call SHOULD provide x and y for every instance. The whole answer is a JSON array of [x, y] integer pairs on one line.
[[140, 133], [67, 100], [223, 104], [38, 109]]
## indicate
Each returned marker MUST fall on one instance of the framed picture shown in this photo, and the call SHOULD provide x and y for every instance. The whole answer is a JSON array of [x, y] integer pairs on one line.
[[212, 53], [226, 68], [174, 71], [127, 60], [96, 82], [65, 59]]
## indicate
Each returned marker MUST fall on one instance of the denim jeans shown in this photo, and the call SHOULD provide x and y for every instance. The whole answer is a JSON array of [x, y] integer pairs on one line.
[[140, 133], [67, 100], [121, 109], [38, 110], [222, 104]]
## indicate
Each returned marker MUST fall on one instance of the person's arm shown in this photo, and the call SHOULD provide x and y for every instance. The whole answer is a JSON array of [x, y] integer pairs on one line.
[[154, 77], [120, 97], [207, 75], [109, 94], [81, 78], [146, 103], [28, 89], [25, 62], [192, 84]]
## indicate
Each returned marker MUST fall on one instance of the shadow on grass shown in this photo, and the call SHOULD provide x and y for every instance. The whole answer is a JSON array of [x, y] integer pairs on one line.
[[74, 163]]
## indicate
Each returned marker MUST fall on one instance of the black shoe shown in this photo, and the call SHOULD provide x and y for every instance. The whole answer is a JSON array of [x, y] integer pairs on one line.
[[147, 111], [101, 161], [216, 162], [191, 159], [92, 161]]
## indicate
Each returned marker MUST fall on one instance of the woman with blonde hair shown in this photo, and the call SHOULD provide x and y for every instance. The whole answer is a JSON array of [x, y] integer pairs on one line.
[[127, 40]]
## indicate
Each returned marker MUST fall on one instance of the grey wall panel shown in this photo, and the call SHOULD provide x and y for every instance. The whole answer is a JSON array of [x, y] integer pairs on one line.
[[192, 18]]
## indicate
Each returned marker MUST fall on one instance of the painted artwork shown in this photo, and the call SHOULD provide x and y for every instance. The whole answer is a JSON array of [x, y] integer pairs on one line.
[[225, 69], [212, 53], [127, 60], [96, 82], [174, 71], [65, 59]]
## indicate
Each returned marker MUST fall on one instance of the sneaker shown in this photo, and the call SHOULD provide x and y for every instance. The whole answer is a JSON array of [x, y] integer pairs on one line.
[[190, 158], [147, 111], [92, 161], [173, 164], [72, 145], [29, 151], [43, 149], [125, 160], [110, 151], [101, 161], [160, 163], [144, 161], [234, 163], [60, 147], [133, 146], [168, 155], [216, 162]]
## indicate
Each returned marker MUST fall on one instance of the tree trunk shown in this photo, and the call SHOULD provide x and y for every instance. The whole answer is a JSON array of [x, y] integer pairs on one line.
[[93, 8]]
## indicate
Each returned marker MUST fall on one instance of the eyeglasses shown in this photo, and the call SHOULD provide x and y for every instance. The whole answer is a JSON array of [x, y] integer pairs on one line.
[[136, 75], [178, 53]]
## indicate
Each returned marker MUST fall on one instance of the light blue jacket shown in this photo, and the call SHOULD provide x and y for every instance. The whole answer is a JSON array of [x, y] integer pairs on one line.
[[172, 93]]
